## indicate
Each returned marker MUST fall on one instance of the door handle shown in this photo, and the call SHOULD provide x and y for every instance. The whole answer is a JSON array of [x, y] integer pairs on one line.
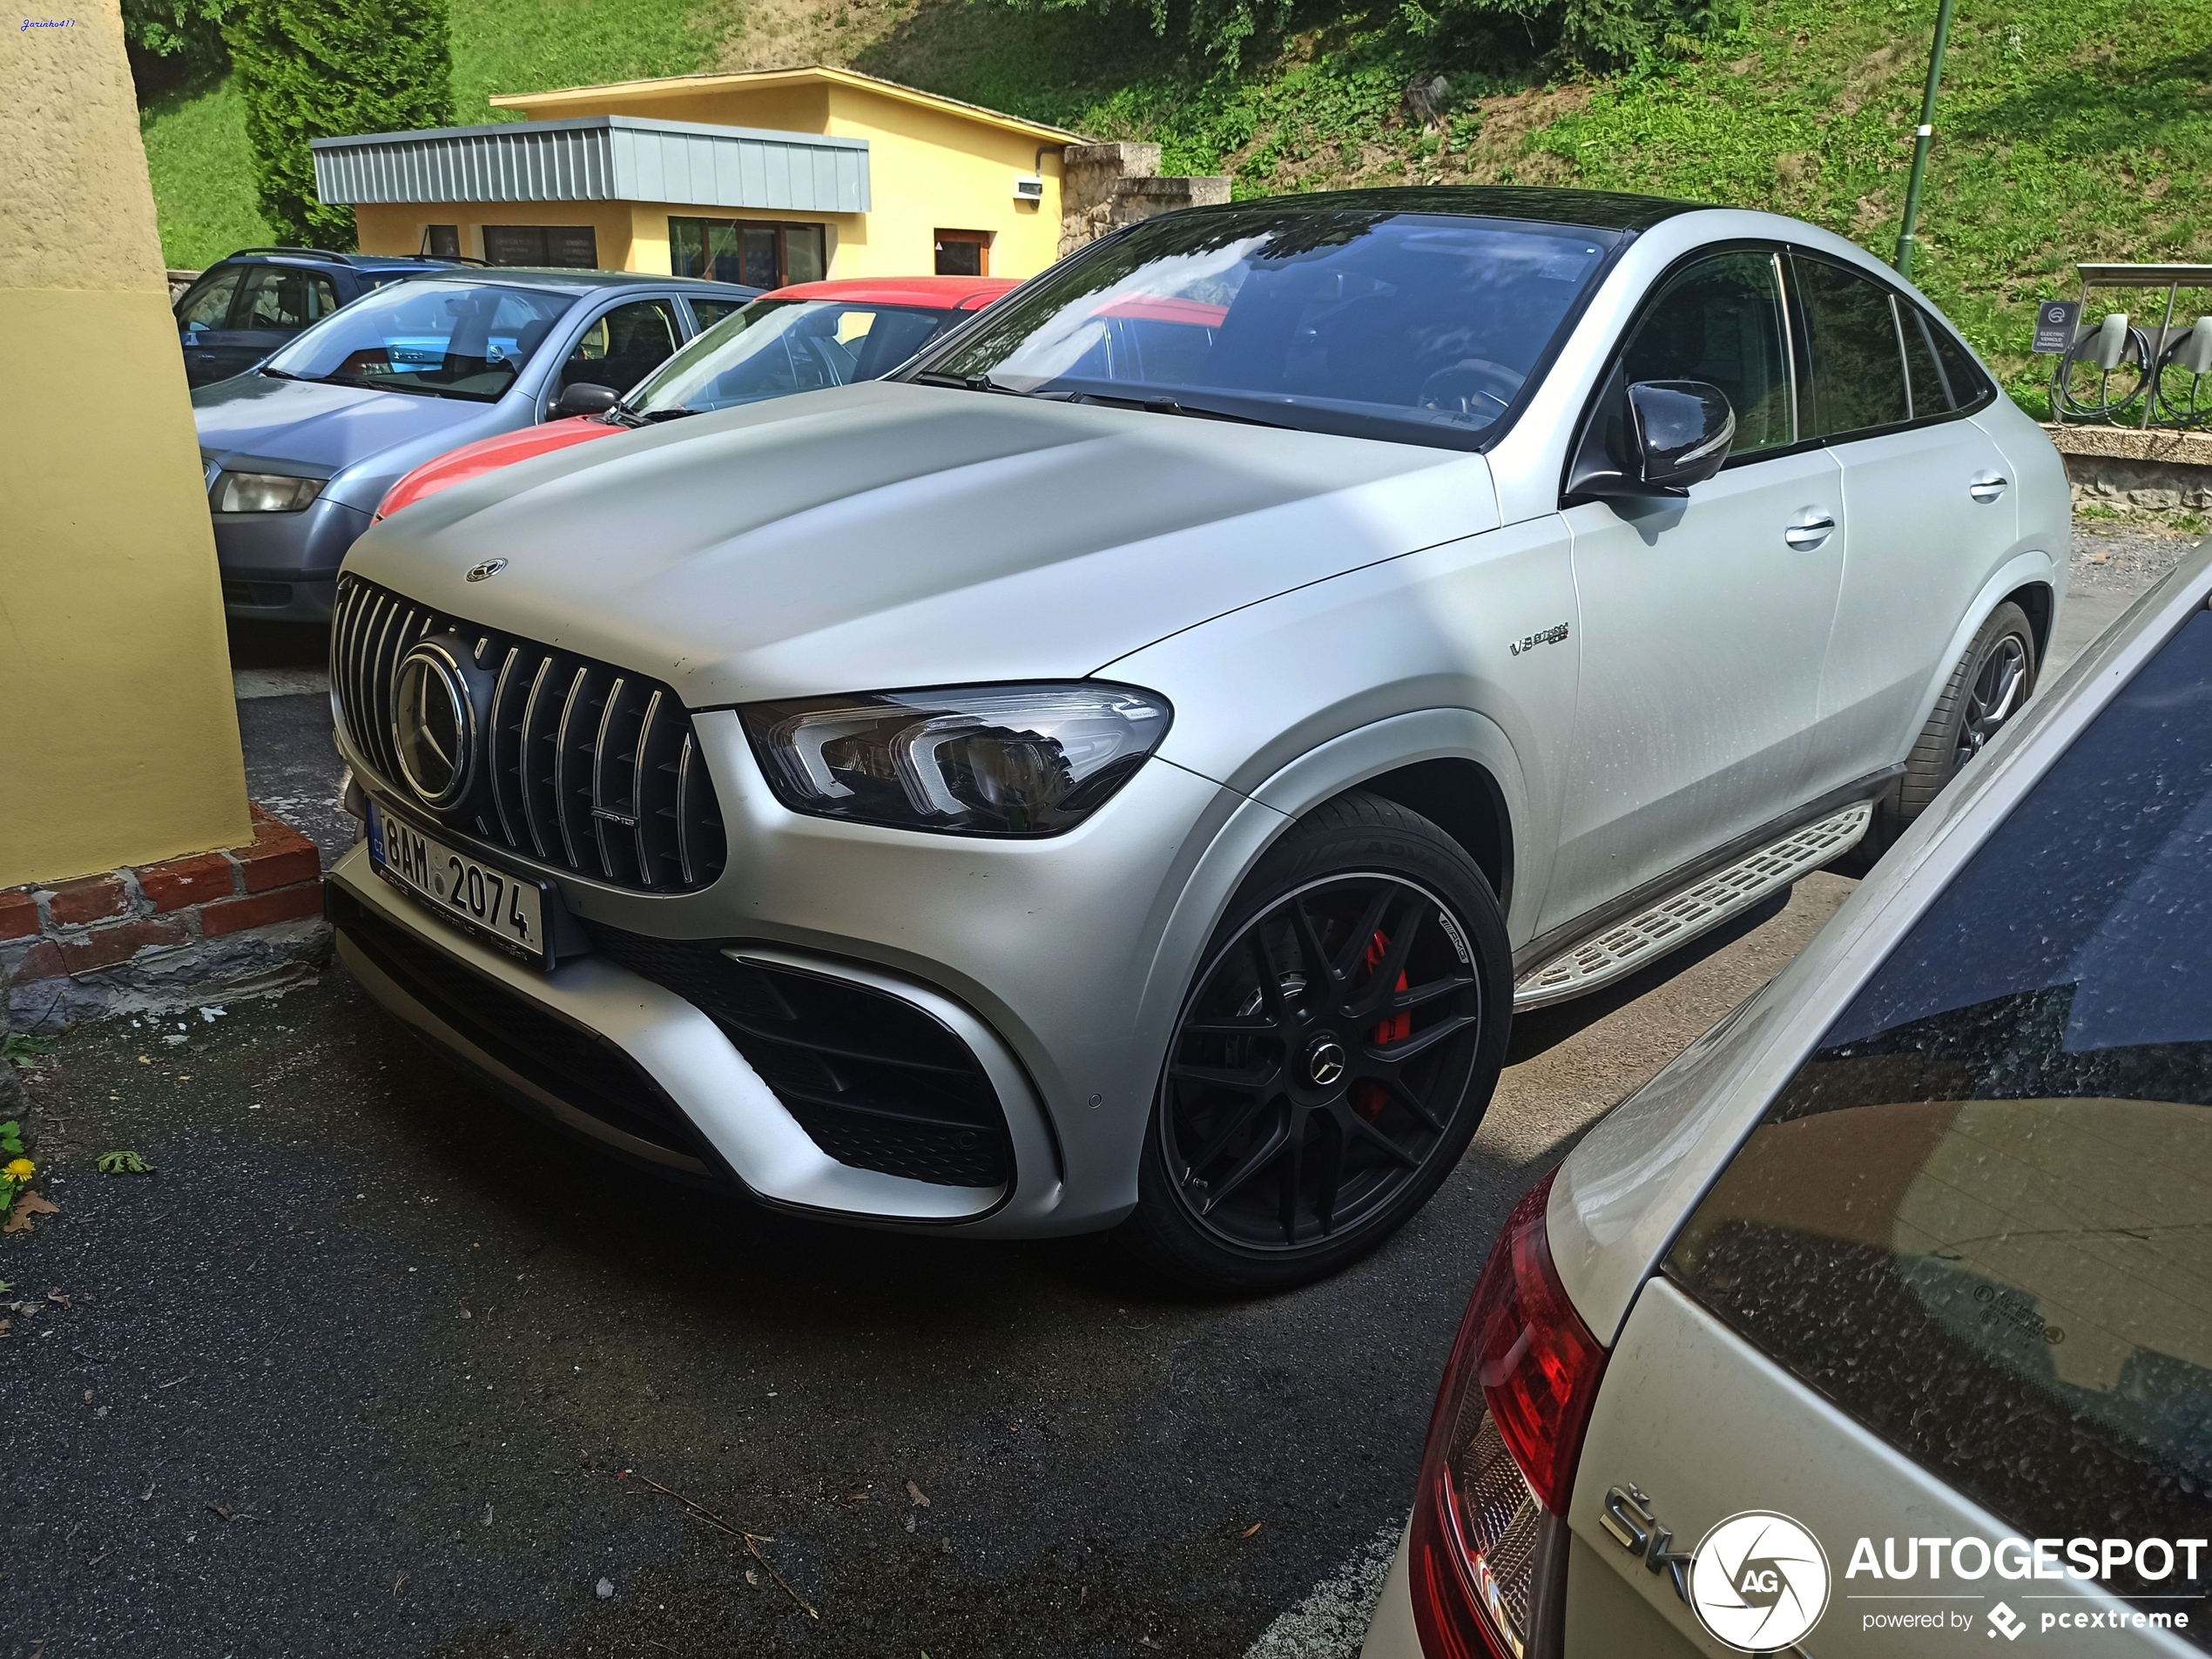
[[1810, 532], [1987, 489]]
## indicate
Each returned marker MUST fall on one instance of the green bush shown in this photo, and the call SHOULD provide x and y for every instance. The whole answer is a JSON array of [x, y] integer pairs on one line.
[[321, 68], [1592, 32], [175, 42]]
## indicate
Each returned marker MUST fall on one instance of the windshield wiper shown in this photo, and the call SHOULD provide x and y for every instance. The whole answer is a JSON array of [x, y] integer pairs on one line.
[[1168, 406], [657, 416], [396, 385], [966, 383], [282, 374]]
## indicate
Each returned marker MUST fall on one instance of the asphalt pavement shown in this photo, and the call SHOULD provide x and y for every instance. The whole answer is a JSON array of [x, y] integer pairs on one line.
[[368, 1364]]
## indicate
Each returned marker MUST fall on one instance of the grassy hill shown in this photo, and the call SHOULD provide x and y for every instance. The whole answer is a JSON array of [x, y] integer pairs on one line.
[[2068, 130]]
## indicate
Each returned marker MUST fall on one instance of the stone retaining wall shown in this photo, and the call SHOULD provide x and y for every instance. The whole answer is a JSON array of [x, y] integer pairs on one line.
[[2156, 471], [232, 923]]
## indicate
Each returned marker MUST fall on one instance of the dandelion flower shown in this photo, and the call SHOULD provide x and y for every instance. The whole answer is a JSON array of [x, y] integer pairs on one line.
[[21, 1170]]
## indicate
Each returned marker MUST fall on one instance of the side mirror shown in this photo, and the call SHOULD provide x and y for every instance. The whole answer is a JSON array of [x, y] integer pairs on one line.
[[1678, 434], [1682, 430], [585, 398]]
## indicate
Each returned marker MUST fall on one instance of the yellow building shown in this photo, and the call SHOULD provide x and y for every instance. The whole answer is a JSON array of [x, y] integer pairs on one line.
[[767, 177], [115, 684]]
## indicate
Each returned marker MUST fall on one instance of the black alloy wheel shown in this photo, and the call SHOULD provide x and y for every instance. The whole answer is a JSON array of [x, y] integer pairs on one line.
[[1339, 1047], [2000, 688], [1987, 688]]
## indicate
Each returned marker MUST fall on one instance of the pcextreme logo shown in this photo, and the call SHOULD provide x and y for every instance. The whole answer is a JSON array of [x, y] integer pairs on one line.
[[1758, 1581]]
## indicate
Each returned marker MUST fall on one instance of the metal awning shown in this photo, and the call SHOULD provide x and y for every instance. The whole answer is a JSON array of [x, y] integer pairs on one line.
[[601, 157]]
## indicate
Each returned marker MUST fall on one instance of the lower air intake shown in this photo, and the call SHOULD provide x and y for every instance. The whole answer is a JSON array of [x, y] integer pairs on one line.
[[875, 1082]]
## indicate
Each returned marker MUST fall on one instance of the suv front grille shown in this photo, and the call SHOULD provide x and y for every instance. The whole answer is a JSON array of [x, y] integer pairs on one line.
[[594, 770], [875, 1082]]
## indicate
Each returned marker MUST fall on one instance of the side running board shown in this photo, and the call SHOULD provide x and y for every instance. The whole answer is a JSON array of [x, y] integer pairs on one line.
[[1703, 905]]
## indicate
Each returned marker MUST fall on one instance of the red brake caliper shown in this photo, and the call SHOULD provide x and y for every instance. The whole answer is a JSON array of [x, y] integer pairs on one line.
[[1368, 1097]]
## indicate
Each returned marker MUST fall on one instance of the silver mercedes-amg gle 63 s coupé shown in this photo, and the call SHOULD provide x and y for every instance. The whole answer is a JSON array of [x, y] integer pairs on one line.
[[1123, 771]]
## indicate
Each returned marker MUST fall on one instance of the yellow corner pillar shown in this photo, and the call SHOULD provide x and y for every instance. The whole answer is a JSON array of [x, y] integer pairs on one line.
[[120, 735]]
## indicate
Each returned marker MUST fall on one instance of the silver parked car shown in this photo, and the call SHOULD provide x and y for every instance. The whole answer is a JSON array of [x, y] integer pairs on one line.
[[1876, 1322], [299, 449], [1123, 770]]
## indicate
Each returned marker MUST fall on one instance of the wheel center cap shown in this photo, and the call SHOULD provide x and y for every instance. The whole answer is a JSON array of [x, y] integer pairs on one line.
[[1324, 1062]]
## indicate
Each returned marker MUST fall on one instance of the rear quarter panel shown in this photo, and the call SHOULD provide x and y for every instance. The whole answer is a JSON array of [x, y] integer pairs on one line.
[[1708, 1428]]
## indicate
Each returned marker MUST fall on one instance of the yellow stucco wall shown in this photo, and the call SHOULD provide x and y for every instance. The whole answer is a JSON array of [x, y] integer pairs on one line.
[[932, 170], [121, 736], [932, 166]]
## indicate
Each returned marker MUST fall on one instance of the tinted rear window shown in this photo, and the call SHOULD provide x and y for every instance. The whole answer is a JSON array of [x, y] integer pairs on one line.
[[1980, 1217]]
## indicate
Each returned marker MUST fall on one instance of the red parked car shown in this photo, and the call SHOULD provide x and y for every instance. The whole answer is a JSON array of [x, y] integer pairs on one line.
[[798, 338]]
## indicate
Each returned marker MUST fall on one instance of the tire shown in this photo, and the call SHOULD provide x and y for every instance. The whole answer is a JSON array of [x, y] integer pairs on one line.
[[1294, 1130], [1991, 682]]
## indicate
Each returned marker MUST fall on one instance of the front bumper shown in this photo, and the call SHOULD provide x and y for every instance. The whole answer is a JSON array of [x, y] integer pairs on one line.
[[613, 1056], [283, 567], [1068, 957]]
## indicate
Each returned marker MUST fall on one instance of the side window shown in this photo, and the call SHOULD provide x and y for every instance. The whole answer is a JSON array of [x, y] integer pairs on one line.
[[1921, 372], [1970, 388], [207, 306], [1720, 321], [277, 297], [709, 312], [624, 347], [1857, 363]]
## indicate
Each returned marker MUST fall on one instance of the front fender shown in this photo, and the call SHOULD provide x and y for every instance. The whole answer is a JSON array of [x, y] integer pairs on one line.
[[1342, 763]]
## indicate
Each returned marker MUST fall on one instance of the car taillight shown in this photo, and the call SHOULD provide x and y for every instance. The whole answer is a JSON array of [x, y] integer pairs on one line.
[[1503, 1447]]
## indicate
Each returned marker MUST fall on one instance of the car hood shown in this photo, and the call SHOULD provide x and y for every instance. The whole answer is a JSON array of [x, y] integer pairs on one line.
[[322, 430], [885, 535], [490, 455]]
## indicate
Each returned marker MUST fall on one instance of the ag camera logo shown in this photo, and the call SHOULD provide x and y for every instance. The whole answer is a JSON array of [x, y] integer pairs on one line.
[[1758, 1581]]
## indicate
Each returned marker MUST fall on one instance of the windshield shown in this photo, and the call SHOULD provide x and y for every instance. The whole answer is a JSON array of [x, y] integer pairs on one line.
[[774, 347], [447, 339], [1419, 328]]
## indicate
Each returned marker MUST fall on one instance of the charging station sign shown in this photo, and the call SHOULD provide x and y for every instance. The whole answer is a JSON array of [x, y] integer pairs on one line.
[[2055, 322]]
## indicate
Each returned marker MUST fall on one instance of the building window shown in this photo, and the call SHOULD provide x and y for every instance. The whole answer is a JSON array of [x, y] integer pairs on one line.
[[442, 241], [963, 254], [759, 253], [570, 248]]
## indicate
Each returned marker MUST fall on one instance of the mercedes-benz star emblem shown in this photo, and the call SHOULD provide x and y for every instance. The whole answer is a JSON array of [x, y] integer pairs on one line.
[[434, 725], [1324, 1063], [488, 569]]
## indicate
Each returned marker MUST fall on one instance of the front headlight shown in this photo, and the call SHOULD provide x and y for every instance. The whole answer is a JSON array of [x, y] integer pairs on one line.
[[264, 492], [973, 760]]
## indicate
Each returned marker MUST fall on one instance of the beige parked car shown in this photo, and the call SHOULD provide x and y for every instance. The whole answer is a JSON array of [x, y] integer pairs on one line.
[[1880, 1322]]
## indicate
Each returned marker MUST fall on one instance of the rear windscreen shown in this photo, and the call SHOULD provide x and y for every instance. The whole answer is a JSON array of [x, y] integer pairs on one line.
[[1979, 1219]]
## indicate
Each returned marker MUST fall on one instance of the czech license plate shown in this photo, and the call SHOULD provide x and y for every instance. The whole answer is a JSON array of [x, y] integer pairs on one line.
[[475, 897]]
